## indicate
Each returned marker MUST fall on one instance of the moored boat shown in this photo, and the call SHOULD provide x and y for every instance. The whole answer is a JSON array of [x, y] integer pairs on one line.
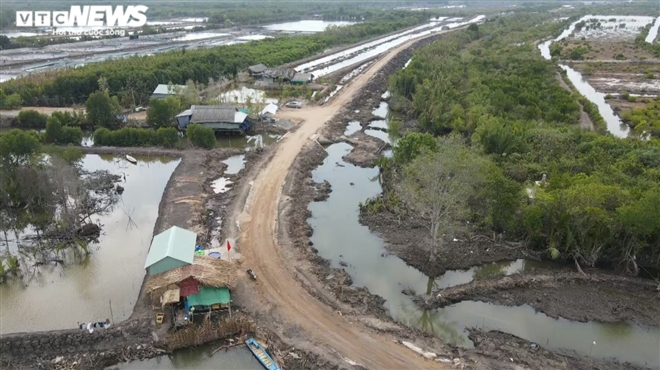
[[131, 159], [261, 354]]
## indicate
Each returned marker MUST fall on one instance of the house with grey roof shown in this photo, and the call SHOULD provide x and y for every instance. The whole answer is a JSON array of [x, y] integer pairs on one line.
[[257, 70], [221, 118]]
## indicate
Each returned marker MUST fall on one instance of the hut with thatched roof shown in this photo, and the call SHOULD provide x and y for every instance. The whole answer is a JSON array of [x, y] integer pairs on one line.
[[205, 284]]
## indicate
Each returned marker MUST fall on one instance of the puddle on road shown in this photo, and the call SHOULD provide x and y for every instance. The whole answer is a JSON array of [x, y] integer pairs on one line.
[[197, 358], [382, 110], [352, 127], [112, 272], [234, 164], [337, 232]]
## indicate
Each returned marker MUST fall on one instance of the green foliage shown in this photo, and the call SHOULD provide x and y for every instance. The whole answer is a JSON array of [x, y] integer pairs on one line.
[[167, 137], [601, 200], [12, 101], [620, 57], [56, 133], [102, 110], [67, 118], [412, 145], [130, 136], [31, 119], [161, 112], [17, 146], [644, 119], [456, 83], [201, 136]]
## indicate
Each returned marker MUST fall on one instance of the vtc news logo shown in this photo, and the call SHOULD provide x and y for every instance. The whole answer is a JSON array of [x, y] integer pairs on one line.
[[85, 16]]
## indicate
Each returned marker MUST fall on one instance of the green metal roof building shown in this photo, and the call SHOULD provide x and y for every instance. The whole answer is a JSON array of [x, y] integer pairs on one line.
[[209, 296], [170, 249]]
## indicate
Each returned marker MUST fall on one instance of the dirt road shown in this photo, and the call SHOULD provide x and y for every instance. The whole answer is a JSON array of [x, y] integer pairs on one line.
[[262, 252]]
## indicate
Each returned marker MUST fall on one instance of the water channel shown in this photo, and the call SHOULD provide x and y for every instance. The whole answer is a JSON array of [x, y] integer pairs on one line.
[[367, 261], [57, 297], [614, 123]]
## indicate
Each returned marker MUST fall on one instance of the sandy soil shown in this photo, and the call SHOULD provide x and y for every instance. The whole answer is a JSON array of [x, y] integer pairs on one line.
[[278, 292]]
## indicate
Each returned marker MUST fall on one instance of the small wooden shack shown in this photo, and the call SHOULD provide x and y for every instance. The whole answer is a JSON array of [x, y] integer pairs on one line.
[[170, 249]]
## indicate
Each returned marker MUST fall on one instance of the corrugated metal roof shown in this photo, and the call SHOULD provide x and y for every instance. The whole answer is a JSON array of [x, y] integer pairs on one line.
[[168, 89], [186, 112], [175, 242], [216, 114], [257, 68], [209, 296], [302, 77], [284, 73]]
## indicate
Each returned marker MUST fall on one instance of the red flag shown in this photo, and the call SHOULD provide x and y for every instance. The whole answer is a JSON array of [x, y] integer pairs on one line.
[[228, 246]]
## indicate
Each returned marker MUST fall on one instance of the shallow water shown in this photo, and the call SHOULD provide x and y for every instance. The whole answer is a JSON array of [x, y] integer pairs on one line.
[[352, 127], [243, 94], [653, 32], [247, 142], [58, 297], [234, 164], [339, 236], [198, 358]]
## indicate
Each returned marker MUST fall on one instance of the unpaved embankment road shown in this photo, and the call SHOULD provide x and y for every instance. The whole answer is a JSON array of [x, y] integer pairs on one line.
[[277, 285]]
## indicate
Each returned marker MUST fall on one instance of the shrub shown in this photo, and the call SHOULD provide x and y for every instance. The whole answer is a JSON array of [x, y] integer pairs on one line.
[[58, 134], [130, 136], [201, 136], [12, 101], [167, 136], [31, 119]]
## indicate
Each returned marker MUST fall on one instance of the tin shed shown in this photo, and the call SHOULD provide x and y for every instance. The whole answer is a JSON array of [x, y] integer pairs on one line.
[[170, 249]]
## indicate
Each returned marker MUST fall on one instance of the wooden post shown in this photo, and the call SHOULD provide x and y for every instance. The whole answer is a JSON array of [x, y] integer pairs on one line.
[[230, 309], [111, 316]]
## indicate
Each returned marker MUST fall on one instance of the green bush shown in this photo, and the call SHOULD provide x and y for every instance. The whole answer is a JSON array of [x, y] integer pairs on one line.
[[12, 101], [63, 135], [74, 118], [201, 136], [31, 119], [130, 136], [167, 136]]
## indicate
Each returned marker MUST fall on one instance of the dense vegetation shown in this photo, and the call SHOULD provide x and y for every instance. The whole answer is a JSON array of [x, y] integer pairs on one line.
[[130, 136], [644, 119], [133, 79], [601, 200]]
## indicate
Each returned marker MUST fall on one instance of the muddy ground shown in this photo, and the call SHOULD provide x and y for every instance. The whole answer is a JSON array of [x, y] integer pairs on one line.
[[571, 295], [497, 350]]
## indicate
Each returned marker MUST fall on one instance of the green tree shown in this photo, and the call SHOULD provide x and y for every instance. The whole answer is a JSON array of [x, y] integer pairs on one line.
[[201, 136], [56, 133], [161, 112], [31, 119], [167, 136], [17, 146], [438, 185], [412, 145], [102, 110]]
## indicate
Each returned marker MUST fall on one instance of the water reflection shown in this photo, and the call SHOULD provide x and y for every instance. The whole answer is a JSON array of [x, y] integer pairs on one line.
[[198, 358], [340, 237], [112, 272]]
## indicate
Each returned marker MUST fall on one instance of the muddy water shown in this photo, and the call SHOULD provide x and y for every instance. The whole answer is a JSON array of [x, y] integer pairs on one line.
[[614, 123], [246, 141], [197, 358], [339, 236], [57, 297]]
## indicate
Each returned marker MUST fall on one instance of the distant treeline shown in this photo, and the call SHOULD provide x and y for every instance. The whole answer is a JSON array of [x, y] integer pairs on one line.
[[133, 79]]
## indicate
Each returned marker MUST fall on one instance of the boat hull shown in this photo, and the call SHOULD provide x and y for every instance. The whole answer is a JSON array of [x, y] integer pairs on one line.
[[260, 353]]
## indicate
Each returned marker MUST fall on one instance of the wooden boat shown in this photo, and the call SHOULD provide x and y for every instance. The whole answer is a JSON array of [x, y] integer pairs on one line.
[[131, 159], [261, 354]]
